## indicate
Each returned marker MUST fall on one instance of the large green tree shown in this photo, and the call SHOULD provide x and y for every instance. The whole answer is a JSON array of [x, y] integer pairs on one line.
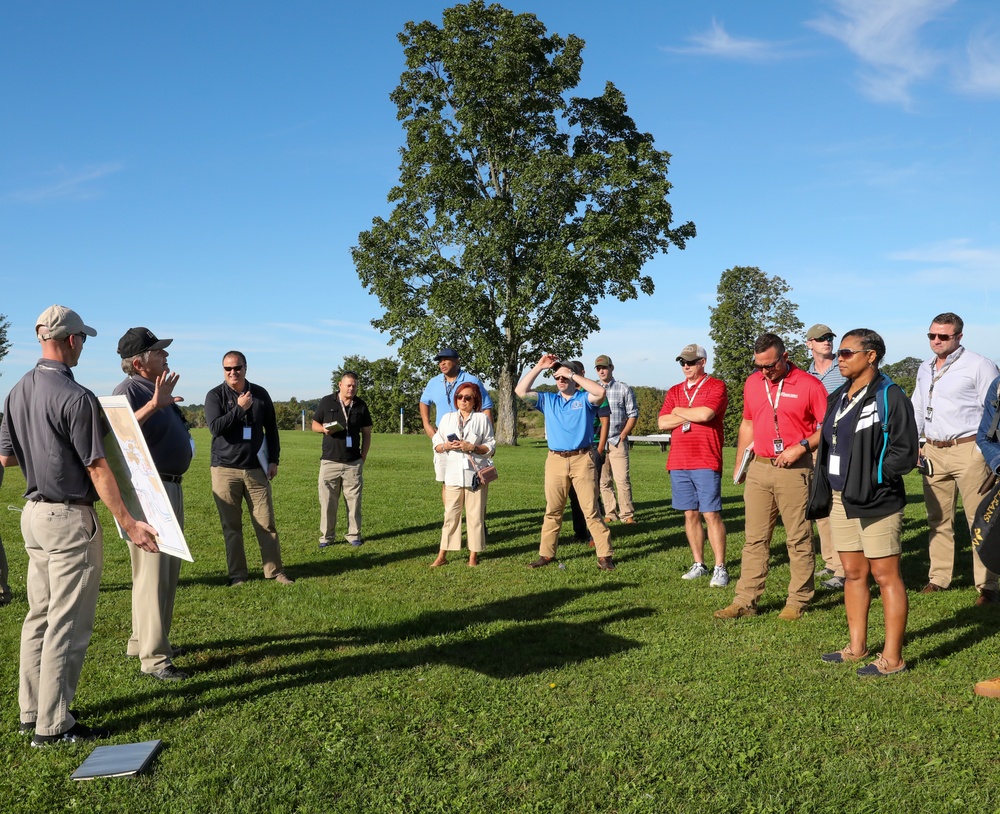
[[387, 386], [518, 205], [749, 303]]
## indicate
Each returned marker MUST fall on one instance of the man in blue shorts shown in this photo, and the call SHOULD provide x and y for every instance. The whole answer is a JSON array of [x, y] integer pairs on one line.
[[693, 413]]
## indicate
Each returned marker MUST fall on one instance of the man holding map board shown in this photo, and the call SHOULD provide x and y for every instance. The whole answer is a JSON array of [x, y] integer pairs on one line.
[[149, 389]]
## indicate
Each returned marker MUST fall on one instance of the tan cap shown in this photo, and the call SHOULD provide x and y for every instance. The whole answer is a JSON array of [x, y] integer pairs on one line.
[[818, 330], [58, 322], [691, 353], [603, 361]]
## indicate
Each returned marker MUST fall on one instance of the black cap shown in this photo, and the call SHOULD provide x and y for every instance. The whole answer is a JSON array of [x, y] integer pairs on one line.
[[446, 353], [139, 340]]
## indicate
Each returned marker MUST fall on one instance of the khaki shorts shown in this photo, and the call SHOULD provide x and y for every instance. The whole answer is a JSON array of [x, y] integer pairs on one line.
[[876, 536]]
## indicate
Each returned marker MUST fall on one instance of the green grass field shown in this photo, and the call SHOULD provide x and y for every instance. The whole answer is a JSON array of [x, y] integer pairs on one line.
[[375, 684]]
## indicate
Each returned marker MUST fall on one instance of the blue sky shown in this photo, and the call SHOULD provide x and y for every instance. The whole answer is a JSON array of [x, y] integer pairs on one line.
[[204, 168]]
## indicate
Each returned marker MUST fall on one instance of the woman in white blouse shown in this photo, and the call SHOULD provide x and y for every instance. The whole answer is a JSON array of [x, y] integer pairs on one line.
[[464, 432]]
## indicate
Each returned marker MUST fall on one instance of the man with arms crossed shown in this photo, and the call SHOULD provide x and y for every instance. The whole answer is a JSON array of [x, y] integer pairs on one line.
[[240, 416], [569, 426], [693, 413], [149, 389], [53, 430], [948, 402], [438, 393], [783, 408], [819, 341], [345, 451], [624, 414]]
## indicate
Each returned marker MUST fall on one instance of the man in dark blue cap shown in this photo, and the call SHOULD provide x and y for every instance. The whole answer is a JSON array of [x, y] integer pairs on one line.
[[439, 392]]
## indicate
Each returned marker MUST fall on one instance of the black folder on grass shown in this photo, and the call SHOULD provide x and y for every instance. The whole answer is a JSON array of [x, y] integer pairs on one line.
[[125, 760]]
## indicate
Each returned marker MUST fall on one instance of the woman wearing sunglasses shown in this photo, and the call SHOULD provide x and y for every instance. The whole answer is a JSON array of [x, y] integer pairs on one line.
[[868, 443], [466, 436]]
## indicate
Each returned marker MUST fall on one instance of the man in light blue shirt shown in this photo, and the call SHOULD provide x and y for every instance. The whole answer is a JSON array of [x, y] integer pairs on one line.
[[438, 392], [569, 428]]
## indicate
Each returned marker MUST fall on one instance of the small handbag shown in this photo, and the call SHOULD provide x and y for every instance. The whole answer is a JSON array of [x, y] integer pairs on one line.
[[483, 475]]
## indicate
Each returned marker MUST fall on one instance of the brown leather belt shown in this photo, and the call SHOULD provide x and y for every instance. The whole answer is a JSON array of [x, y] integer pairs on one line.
[[569, 453], [954, 442]]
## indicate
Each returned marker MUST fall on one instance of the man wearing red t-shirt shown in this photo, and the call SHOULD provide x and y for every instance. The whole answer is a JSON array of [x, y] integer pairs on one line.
[[693, 412], [783, 408]]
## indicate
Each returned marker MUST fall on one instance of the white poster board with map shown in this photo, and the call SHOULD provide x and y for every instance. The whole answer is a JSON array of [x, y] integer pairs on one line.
[[138, 481]]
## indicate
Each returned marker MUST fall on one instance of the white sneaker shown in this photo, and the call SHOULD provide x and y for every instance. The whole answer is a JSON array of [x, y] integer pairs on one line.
[[720, 577], [697, 570]]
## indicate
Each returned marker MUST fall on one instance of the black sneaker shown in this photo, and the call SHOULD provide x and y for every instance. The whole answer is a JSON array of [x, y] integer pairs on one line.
[[169, 673], [77, 732], [27, 727]]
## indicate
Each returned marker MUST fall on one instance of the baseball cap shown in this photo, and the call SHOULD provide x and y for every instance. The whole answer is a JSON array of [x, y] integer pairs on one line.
[[818, 330], [689, 353], [139, 340], [58, 322], [603, 361], [446, 353]]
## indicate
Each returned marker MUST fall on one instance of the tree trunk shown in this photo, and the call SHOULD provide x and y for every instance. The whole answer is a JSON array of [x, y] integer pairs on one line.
[[506, 406]]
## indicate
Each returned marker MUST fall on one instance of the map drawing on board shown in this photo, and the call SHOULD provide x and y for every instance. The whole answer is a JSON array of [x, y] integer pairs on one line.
[[138, 481]]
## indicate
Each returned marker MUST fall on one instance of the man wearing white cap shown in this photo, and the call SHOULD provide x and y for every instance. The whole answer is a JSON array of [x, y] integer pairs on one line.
[[52, 429], [693, 413]]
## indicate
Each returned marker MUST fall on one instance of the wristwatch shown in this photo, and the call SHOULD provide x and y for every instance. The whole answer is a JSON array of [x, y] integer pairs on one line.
[[805, 442]]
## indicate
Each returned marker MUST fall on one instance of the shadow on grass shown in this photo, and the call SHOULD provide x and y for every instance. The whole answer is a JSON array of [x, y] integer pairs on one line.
[[967, 627], [529, 643]]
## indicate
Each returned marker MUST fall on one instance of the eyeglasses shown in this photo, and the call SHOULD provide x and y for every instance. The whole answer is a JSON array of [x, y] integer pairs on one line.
[[563, 378], [465, 397], [686, 363], [82, 337], [847, 353], [768, 368], [824, 338], [941, 337], [233, 369]]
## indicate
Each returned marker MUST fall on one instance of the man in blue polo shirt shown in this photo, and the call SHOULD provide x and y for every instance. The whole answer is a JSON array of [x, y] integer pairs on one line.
[[569, 423], [438, 392]]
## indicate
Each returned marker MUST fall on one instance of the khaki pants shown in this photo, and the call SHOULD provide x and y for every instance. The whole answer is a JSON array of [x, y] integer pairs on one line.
[[560, 473], [154, 587], [771, 491], [959, 469], [231, 487], [457, 498], [65, 546], [335, 479], [616, 465]]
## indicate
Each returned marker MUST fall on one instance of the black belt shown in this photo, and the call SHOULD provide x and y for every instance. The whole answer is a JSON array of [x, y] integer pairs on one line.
[[171, 478], [569, 453], [88, 503]]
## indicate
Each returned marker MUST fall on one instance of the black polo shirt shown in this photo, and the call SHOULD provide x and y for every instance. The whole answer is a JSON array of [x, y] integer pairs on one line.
[[357, 417]]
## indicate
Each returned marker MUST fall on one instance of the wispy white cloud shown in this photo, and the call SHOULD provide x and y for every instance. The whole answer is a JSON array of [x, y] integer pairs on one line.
[[884, 35], [981, 74], [957, 253], [68, 185], [717, 42]]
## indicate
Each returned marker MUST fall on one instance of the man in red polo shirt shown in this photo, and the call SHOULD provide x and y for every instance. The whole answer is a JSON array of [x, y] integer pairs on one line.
[[783, 408], [693, 413]]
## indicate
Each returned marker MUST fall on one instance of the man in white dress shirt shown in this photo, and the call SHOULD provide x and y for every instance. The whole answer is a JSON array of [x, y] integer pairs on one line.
[[948, 402]]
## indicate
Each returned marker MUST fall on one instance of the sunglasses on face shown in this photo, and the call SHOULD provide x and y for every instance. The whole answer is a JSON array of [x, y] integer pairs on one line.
[[464, 397], [768, 368], [562, 378], [826, 338], [941, 337], [233, 369], [81, 337], [686, 363], [847, 353]]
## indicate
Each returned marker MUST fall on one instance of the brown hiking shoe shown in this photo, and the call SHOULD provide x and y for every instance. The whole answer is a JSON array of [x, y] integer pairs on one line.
[[790, 613], [605, 564], [735, 611]]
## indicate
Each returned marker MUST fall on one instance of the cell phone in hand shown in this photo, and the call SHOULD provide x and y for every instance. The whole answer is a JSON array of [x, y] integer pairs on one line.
[[453, 437]]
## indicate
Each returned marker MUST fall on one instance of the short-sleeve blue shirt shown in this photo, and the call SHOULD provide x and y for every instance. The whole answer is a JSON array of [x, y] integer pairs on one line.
[[569, 423], [439, 393]]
